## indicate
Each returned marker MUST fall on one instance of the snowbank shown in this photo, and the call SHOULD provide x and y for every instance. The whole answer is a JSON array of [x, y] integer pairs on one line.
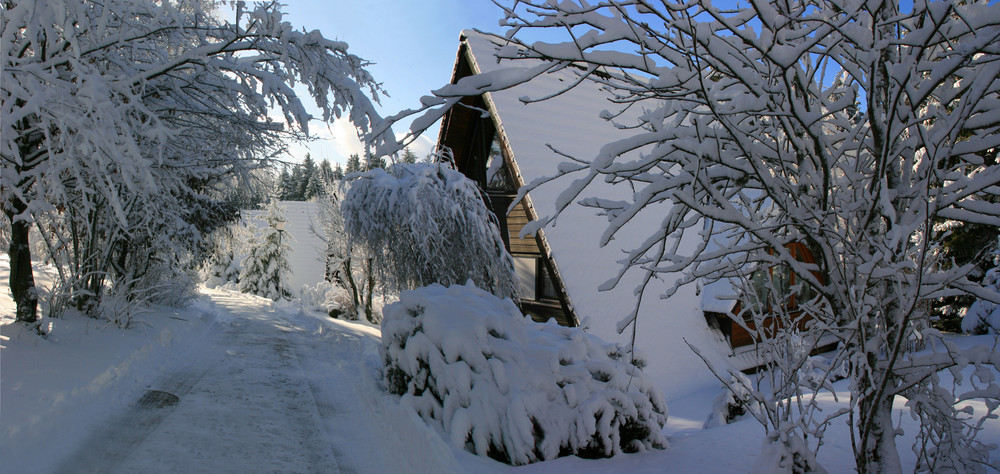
[[501, 385]]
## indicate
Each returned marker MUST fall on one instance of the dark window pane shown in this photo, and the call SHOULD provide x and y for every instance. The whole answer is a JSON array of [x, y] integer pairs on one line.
[[546, 287]]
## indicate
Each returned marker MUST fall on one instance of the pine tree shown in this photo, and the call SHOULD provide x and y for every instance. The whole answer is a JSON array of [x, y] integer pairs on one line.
[[284, 190], [353, 164], [338, 172], [266, 269], [306, 171], [314, 186], [409, 156], [326, 173], [371, 162]]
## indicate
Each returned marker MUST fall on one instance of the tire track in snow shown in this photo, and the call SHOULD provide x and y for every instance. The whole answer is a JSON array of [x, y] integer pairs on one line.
[[123, 433], [244, 404]]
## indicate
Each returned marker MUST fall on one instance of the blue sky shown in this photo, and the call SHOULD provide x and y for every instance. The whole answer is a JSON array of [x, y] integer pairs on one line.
[[412, 43]]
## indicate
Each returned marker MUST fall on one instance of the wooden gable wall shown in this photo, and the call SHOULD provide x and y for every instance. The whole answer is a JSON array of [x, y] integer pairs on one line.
[[457, 133]]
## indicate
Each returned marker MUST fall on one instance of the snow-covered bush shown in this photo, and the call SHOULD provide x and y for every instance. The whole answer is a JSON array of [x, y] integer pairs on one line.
[[983, 316], [349, 265], [426, 223], [266, 269], [228, 251], [786, 453], [517, 391], [330, 298], [734, 401]]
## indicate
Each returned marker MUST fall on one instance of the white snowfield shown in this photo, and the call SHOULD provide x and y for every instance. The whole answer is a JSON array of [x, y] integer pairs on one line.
[[237, 383]]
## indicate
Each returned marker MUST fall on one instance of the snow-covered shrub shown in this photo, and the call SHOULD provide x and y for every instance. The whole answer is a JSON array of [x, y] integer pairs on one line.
[[348, 264], [228, 251], [517, 391], [222, 268], [983, 316], [734, 401], [426, 223], [786, 453], [330, 298]]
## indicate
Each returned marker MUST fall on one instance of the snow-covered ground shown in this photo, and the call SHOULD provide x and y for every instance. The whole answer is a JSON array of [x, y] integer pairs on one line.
[[265, 386]]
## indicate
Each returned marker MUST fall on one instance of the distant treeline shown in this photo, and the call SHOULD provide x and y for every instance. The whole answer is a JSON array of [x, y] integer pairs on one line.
[[306, 180]]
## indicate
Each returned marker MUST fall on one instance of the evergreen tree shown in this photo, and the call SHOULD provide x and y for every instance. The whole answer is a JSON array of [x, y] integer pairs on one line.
[[338, 172], [306, 171], [314, 186], [372, 162], [965, 243], [409, 157], [284, 190], [326, 173], [266, 269], [353, 164]]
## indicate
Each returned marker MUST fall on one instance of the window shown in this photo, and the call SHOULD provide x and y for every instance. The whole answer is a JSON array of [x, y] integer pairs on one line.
[[535, 280], [526, 267], [498, 176], [789, 288], [546, 286]]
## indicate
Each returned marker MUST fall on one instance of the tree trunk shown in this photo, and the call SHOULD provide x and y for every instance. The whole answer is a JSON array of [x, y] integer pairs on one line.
[[353, 286], [22, 278], [371, 291], [877, 450]]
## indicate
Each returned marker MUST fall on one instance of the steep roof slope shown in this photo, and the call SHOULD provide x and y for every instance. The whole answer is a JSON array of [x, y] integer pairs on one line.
[[570, 124]]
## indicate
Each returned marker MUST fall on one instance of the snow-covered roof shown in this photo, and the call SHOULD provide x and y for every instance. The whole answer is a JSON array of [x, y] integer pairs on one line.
[[571, 124], [718, 296]]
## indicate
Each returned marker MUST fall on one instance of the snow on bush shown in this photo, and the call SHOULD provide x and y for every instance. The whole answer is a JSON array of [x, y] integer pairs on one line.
[[785, 452], [983, 316], [517, 391], [426, 223], [330, 298], [734, 401], [225, 262]]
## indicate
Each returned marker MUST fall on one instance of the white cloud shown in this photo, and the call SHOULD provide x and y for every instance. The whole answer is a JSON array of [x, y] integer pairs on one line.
[[343, 137], [337, 141], [334, 142], [423, 145]]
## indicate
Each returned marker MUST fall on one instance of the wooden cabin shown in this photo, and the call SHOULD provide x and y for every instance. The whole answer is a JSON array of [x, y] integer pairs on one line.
[[482, 152], [784, 279], [504, 143]]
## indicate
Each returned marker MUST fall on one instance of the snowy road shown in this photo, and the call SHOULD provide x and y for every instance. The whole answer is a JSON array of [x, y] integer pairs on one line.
[[270, 391]]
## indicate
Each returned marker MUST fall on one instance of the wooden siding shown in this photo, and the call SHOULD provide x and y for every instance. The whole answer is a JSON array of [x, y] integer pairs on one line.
[[738, 336], [516, 220], [543, 311]]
